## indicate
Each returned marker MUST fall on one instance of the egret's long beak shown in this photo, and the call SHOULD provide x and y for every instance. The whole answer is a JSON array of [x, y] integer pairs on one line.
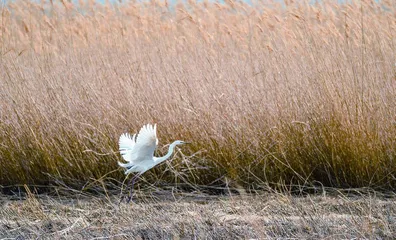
[[186, 142]]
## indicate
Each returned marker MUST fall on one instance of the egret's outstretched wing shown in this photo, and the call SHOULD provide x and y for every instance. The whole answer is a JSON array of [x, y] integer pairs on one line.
[[126, 144], [146, 143]]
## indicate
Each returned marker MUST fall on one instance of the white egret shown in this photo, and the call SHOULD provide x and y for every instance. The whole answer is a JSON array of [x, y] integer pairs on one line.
[[138, 152]]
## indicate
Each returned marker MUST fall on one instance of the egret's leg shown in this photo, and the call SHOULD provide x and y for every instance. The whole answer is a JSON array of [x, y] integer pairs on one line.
[[133, 180], [128, 184]]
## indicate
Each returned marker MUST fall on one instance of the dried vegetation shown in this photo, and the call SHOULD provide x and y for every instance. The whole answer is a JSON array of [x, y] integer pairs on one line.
[[270, 216], [269, 94]]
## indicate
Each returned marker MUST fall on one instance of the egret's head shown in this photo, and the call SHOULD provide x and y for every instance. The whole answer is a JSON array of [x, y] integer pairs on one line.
[[179, 142]]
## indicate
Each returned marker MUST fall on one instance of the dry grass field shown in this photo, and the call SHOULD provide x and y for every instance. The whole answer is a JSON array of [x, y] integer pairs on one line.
[[186, 216], [292, 98], [268, 94]]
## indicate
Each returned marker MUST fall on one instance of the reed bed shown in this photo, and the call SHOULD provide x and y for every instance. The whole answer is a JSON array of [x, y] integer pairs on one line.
[[269, 94]]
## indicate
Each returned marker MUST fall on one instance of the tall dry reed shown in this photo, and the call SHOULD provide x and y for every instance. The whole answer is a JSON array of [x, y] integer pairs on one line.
[[268, 93]]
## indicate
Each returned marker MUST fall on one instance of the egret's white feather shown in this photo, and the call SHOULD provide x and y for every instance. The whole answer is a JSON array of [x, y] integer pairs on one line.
[[126, 144], [138, 151], [145, 145]]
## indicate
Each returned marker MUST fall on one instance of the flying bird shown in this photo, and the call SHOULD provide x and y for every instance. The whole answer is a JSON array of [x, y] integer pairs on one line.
[[138, 152]]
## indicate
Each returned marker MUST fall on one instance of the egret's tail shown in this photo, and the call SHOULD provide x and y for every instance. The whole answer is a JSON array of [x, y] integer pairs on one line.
[[125, 165], [129, 167]]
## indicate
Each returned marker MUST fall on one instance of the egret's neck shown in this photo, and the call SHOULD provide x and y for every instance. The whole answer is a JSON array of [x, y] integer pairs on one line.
[[170, 151]]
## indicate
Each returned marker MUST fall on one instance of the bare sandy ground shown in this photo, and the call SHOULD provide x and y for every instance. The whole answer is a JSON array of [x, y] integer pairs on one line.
[[188, 216]]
